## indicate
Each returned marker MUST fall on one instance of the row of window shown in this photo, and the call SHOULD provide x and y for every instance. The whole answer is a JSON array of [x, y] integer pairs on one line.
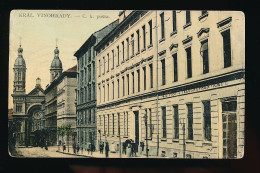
[[111, 117], [85, 58], [85, 94], [125, 82], [84, 137], [86, 117], [205, 58], [130, 48], [189, 126], [85, 74]]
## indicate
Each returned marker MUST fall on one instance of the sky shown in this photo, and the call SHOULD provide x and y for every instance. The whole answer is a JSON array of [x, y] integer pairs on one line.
[[39, 30]]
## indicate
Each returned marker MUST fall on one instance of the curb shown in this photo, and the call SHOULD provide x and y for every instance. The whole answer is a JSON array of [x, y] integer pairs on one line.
[[75, 154]]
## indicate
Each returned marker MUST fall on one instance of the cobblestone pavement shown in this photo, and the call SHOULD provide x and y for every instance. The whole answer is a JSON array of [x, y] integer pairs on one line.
[[41, 152]]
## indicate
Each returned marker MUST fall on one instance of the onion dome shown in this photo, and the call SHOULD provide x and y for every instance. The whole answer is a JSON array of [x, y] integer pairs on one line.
[[19, 60], [56, 62]]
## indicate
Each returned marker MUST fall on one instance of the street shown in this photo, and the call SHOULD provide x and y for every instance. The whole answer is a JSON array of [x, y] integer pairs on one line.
[[41, 152]]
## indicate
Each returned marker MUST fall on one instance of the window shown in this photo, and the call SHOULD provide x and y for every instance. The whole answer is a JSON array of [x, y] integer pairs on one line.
[[113, 59], [205, 57], [89, 116], [138, 80], [123, 49], [89, 55], [151, 75], [123, 81], [175, 68], [187, 17], [151, 32], [89, 92], [207, 120], [113, 91], [107, 91], [94, 91], [163, 122], [144, 71], [108, 62], [133, 78], [99, 89], [127, 76], [104, 124], [104, 62], [126, 123], [176, 122], [144, 37], [226, 48], [162, 26], [163, 72], [108, 124], [127, 45], [138, 41], [133, 46], [89, 73], [174, 24], [118, 124], [99, 64], [104, 93], [18, 107], [117, 55], [190, 121], [113, 123], [94, 69], [150, 127], [189, 65], [118, 88], [94, 115]]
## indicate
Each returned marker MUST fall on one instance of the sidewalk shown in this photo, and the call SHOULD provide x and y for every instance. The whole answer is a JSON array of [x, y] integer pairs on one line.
[[96, 154]]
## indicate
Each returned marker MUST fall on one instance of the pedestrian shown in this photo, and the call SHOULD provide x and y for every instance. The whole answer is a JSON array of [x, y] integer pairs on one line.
[[78, 148], [64, 147], [92, 148], [46, 145], [128, 150], [74, 147], [107, 149], [102, 147]]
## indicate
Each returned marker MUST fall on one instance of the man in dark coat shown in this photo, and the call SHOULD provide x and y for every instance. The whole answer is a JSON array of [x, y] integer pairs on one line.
[[107, 149]]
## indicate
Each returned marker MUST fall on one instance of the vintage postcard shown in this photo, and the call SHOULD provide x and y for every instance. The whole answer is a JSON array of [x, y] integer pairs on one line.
[[127, 84]]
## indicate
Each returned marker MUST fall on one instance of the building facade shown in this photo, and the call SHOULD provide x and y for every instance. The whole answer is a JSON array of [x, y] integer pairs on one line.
[[86, 88], [174, 83], [51, 98], [66, 110], [26, 107]]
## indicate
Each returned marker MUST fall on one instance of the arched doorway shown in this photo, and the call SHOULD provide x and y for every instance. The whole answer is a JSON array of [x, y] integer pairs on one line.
[[33, 125]]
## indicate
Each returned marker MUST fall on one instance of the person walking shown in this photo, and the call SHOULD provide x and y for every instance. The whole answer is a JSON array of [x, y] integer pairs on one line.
[[74, 148], [102, 148], [107, 149], [46, 145], [78, 148], [64, 147], [128, 150]]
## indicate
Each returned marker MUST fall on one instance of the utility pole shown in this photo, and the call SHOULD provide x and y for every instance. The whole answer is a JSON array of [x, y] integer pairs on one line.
[[184, 145], [157, 81]]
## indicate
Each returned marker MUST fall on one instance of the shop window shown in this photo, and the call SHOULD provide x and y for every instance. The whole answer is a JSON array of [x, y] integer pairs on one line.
[[207, 120], [164, 122], [190, 121]]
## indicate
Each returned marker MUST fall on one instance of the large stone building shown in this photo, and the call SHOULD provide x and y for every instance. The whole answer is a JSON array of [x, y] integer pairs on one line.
[[51, 98], [26, 107], [86, 89], [173, 82], [66, 109]]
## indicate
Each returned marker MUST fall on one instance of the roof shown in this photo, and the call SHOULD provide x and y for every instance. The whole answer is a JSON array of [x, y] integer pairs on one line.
[[72, 69], [96, 37]]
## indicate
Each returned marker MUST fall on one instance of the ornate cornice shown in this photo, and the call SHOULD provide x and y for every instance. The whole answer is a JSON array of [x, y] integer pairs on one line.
[[202, 30], [187, 40], [224, 22]]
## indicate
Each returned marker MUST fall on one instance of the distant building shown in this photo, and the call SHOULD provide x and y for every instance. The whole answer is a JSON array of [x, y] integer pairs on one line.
[[173, 82], [86, 87], [51, 98], [26, 107], [66, 109]]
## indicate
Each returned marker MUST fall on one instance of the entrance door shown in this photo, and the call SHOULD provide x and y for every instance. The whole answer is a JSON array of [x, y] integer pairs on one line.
[[229, 108], [136, 127]]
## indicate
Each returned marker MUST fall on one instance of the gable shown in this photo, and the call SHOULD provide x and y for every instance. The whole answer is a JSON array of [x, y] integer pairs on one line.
[[37, 92]]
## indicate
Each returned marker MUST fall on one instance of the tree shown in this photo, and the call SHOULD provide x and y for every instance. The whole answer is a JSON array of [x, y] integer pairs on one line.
[[68, 132]]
